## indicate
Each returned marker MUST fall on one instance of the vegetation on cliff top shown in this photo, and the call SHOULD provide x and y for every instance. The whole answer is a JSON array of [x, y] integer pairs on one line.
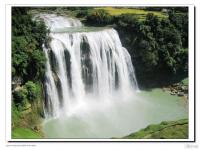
[[139, 13]]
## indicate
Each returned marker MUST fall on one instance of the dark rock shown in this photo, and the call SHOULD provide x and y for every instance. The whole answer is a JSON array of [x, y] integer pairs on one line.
[[36, 128], [185, 89], [172, 93], [175, 91], [180, 94], [175, 85]]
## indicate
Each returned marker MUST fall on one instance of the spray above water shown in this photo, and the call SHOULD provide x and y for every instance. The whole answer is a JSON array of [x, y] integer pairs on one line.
[[84, 66]]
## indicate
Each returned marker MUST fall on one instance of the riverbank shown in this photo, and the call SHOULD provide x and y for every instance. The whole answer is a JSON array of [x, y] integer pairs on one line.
[[27, 124], [25, 132], [179, 89], [165, 130], [177, 129]]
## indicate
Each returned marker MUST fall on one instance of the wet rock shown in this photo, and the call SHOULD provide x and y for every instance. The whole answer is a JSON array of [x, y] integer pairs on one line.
[[180, 94], [172, 93]]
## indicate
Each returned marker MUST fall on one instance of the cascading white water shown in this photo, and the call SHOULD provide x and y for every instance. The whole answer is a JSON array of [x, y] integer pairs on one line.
[[81, 65]]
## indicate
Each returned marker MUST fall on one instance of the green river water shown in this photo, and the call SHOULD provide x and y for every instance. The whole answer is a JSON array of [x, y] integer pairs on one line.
[[118, 118]]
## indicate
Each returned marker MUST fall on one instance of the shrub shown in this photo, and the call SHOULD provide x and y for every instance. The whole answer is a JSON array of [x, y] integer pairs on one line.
[[20, 97], [99, 17], [33, 91]]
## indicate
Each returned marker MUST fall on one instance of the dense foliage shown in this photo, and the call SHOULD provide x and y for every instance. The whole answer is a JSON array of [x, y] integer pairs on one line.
[[28, 59], [177, 9], [100, 17], [158, 47], [20, 98]]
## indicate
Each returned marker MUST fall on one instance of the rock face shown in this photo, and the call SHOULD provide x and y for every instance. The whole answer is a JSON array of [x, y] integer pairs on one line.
[[164, 130], [16, 82]]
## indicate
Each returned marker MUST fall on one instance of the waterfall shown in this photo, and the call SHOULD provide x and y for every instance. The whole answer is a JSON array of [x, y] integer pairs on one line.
[[84, 64]]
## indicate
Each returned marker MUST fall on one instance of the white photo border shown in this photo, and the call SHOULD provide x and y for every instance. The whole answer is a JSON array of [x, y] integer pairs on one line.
[[191, 76]]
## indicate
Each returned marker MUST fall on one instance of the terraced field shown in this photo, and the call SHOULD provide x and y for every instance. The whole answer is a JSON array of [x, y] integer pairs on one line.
[[135, 11]]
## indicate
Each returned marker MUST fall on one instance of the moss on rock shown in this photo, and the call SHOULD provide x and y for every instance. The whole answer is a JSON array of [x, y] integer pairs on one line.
[[164, 130]]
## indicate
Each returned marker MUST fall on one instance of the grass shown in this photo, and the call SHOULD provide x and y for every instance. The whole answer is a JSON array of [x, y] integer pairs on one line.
[[185, 82], [24, 133], [24, 123], [164, 130], [138, 12], [114, 11]]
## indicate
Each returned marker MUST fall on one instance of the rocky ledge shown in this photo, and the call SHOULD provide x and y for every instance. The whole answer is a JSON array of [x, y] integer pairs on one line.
[[178, 89]]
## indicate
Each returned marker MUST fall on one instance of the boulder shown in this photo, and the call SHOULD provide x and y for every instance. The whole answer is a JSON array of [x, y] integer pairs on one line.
[[36, 128], [180, 94], [172, 93]]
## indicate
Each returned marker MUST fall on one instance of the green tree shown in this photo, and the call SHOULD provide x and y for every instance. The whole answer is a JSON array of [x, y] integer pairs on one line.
[[155, 46], [28, 36], [99, 17], [37, 65], [20, 97], [28, 58], [180, 21], [33, 91]]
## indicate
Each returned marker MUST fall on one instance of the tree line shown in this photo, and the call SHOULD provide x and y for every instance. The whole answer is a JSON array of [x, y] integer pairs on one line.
[[158, 46], [28, 58]]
